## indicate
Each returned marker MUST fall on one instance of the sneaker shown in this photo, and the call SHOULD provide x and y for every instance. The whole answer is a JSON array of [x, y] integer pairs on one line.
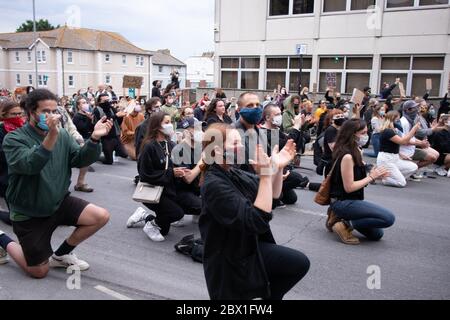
[[448, 173], [416, 177], [3, 256], [152, 230], [185, 245], [180, 223], [83, 188], [332, 219], [345, 233], [441, 171], [138, 216], [67, 261], [115, 158]]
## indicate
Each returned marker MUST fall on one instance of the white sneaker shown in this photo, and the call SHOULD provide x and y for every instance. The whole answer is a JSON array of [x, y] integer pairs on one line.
[[441, 172], [180, 223], [152, 231], [416, 177], [138, 216], [115, 158], [448, 173], [67, 261]]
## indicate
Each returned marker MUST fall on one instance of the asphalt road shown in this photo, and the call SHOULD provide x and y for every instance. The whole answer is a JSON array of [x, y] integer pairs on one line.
[[413, 257]]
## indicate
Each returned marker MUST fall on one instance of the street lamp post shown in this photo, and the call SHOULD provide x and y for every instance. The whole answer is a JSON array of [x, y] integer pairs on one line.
[[35, 44]]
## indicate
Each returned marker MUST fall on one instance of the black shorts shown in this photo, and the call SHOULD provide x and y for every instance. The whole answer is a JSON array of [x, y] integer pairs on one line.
[[35, 234]]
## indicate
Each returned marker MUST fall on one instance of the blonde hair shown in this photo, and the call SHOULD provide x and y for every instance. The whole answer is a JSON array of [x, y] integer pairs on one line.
[[389, 120]]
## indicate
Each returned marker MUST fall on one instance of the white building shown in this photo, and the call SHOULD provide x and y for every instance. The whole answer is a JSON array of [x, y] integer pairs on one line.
[[163, 66], [200, 71], [256, 42], [69, 59]]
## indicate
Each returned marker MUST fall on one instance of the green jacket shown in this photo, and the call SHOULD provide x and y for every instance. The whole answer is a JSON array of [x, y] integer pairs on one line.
[[39, 179], [289, 113]]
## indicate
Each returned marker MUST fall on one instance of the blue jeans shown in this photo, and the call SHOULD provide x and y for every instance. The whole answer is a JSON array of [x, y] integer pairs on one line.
[[367, 218], [376, 146]]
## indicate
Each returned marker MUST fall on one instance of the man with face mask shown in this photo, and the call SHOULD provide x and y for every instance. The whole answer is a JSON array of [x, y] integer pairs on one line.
[[170, 108], [292, 109], [40, 156], [271, 129], [129, 125], [418, 150], [110, 142]]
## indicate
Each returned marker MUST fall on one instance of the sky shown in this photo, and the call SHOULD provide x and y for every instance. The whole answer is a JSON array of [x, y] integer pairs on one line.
[[183, 26]]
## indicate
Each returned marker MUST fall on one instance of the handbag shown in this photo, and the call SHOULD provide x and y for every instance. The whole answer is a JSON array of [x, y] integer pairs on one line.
[[323, 195], [147, 193]]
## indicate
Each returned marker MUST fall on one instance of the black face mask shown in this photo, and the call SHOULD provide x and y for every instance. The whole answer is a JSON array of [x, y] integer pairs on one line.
[[106, 106], [339, 122], [296, 106]]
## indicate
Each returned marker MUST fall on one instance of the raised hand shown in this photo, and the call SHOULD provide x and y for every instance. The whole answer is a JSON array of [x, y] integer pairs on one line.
[[379, 172], [102, 128], [53, 123], [262, 163], [282, 158]]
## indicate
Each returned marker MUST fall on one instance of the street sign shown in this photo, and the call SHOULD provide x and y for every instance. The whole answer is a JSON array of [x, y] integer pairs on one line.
[[301, 49]]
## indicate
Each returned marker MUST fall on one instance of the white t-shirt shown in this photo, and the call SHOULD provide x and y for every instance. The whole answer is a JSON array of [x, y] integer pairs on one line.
[[407, 150]]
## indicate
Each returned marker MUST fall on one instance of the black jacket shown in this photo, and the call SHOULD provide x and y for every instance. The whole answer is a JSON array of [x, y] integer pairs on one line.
[[156, 92], [110, 114], [151, 167], [213, 118], [139, 136], [84, 125], [232, 228], [386, 92]]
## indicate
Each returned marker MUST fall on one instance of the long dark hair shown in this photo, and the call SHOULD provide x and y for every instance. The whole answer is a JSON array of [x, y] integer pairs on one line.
[[211, 108], [153, 127], [346, 142]]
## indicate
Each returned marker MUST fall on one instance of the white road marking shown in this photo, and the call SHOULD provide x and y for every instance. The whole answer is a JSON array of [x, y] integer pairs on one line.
[[112, 293]]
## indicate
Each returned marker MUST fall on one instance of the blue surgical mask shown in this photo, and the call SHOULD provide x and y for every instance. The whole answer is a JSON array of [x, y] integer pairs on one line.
[[42, 124], [382, 113], [251, 115]]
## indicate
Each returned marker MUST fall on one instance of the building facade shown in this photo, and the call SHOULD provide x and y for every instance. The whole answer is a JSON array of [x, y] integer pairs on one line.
[[362, 42], [200, 71], [70, 59]]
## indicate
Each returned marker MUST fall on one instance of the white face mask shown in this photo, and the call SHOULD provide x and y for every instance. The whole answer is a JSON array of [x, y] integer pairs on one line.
[[85, 107], [138, 108], [167, 130], [277, 120], [362, 140]]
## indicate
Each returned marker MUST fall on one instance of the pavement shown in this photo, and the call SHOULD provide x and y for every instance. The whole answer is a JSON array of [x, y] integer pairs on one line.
[[411, 261]]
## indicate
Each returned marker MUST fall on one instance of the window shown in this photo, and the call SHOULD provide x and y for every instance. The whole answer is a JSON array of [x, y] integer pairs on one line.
[[17, 56], [413, 72], [334, 5], [229, 79], [361, 4], [289, 7], [399, 3], [279, 7], [160, 69], [29, 56], [42, 80], [432, 2], [124, 60], [41, 57], [284, 71], [30, 79], [71, 82], [139, 61], [44, 58], [240, 73], [107, 58], [107, 79], [303, 6], [17, 79], [351, 72], [69, 57]]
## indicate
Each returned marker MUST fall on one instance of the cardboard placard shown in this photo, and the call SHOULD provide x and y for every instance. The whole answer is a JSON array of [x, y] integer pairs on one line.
[[331, 79], [132, 82], [429, 84], [357, 97], [401, 87]]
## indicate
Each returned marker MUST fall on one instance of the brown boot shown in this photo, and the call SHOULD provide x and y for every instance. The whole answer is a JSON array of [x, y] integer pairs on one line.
[[332, 219], [345, 233]]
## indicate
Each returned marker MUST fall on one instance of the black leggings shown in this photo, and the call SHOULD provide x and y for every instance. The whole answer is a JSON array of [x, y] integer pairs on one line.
[[284, 266], [170, 209], [111, 145]]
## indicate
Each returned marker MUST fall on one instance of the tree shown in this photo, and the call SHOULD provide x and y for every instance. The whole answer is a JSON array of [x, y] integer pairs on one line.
[[41, 25]]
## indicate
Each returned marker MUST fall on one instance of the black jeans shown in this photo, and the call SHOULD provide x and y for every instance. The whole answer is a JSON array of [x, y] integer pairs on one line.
[[111, 145], [171, 209], [293, 181], [284, 267]]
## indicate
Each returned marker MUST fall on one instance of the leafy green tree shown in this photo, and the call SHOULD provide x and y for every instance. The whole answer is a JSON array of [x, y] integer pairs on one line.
[[41, 25]]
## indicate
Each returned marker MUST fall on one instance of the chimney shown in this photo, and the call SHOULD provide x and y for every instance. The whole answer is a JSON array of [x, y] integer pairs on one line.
[[164, 51]]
